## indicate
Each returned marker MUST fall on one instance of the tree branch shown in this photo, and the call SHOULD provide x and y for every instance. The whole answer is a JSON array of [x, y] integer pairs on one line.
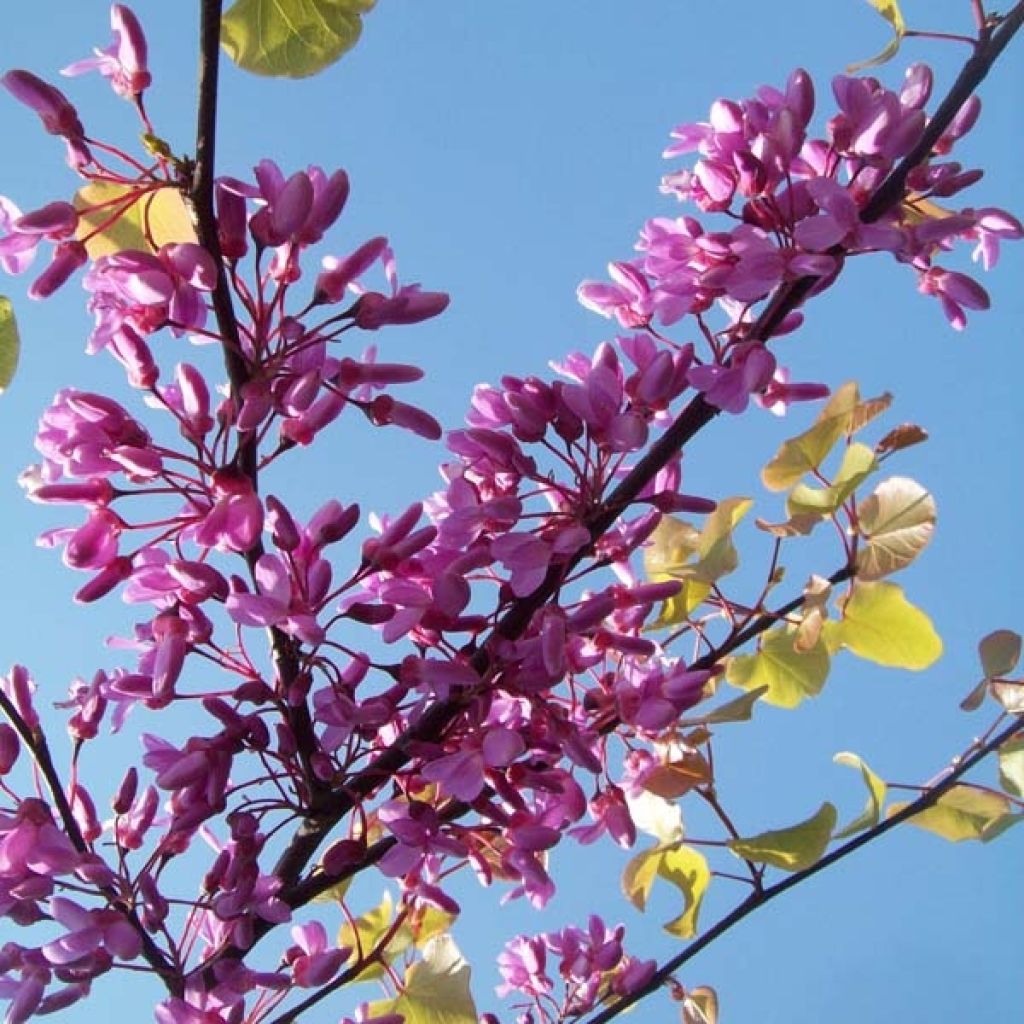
[[766, 895]]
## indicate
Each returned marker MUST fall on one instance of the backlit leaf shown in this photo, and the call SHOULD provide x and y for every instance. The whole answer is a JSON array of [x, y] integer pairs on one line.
[[801, 454], [291, 38], [671, 779], [897, 521], [656, 816], [858, 463], [1010, 695], [903, 436], [791, 849], [716, 553], [435, 989], [700, 1006], [10, 344], [158, 218], [881, 625], [868, 410], [790, 675], [369, 929], [963, 812], [1011, 766], [639, 876], [890, 10], [740, 709], [877, 789], [686, 869], [999, 653]]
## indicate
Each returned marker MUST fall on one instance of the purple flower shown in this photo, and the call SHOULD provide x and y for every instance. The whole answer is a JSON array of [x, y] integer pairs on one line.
[[123, 63]]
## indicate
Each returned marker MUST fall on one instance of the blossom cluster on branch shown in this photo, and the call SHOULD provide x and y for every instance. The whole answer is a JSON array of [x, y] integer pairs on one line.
[[472, 681]]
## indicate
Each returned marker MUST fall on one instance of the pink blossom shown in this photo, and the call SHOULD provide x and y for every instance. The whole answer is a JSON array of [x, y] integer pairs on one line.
[[123, 63]]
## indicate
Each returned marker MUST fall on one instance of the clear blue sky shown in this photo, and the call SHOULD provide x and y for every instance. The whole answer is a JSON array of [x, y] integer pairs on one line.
[[509, 151]]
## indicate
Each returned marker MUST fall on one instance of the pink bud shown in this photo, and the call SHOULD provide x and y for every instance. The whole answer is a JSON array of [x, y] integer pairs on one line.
[[67, 258], [130, 42], [58, 115], [105, 580], [56, 220], [339, 274], [10, 747]]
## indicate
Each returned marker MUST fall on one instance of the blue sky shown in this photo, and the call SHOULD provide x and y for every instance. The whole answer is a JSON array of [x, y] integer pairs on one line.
[[509, 151]]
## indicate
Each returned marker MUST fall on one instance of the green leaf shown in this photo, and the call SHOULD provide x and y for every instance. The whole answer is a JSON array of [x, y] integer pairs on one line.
[[791, 849], [291, 38], [881, 625], [716, 553], [963, 812], [999, 653], [10, 344], [435, 989], [801, 454], [890, 10], [877, 790], [897, 521], [1011, 766], [369, 929], [157, 218], [858, 463], [739, 709], [790, 676], [999, 826], [681, 866]]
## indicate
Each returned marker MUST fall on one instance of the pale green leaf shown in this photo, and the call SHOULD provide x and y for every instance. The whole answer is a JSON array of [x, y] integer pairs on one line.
[[963, 812], [858, 463], [999, 826], [897, 521], [1011, 766], [10, 344], [877, 789], [999, 653], [157, 218], [790, 676], [673, 543], [881, 625], [656, 816], [1010, 695], [369, 929], [686, 869], [739, 709], [716, 553], [791, 849], [801, 454], [890, 10], [291, 38], [435, 989]]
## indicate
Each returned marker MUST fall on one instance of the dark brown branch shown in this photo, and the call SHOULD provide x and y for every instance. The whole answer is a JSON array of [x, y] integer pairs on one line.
[[766, 895]]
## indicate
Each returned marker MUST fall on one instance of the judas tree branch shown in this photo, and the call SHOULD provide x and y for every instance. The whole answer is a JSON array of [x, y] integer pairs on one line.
[[758, 899], [697, 414], [284, 650]]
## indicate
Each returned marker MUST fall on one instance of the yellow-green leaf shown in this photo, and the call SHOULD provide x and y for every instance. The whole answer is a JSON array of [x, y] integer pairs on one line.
[[897, 521], [686, 869], [963, 812], [790, 675], [739, 709], [999, 653], [801, 454], [716, 552], [1011, 766], [877, 789], [881, 625], [10, 344], [435, 989], [868, 410], [858, 464], [791, 849], [291, 38], [157, 218], [890, 10], [369, 929], [681, 866]]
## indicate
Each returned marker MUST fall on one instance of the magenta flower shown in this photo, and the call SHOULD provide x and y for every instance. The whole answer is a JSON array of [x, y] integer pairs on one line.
[[314, 962], [56, 112], [123, 63]]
